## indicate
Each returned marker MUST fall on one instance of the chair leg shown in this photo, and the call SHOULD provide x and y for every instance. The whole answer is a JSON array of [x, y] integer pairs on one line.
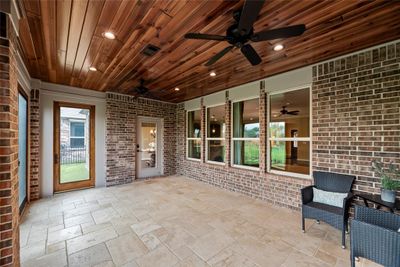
[[303, 228], [343, 238]]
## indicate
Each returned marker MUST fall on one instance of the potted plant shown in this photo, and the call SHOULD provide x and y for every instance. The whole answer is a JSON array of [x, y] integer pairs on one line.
[[390, 180]]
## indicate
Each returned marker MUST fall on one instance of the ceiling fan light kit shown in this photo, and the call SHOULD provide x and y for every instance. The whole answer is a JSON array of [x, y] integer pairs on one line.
[[239, 34]]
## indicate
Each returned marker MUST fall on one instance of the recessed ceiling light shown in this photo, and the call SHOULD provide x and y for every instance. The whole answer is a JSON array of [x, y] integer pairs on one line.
[[213, 74], [109, 35], [177, 89], [251, 119], [278, 47], [92, 68]]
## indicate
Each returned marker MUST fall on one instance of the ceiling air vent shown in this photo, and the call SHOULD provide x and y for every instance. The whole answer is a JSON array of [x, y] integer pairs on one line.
[[150, 50]]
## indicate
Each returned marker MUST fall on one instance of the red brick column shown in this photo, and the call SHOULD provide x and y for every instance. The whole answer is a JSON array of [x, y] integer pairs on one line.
[[34, 145], [9, 213], [227, 130], [263, 128]]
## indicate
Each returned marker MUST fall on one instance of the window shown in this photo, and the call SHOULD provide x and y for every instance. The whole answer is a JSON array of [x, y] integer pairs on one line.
[[193, 134], [289, 132], [216, 134], [246, 132], [77, 134]]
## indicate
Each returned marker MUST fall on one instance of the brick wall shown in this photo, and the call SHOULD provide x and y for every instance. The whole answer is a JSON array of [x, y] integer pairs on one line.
[[9, 212], [276, 189], [356, 114], [34, 145], [121, 119]]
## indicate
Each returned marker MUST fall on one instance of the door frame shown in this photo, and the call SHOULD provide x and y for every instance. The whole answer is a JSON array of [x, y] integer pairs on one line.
[[160, 144], [24, 95], [57, 186]]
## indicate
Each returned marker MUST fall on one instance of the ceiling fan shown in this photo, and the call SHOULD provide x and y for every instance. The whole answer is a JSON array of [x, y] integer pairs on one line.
[[142, 90], [241, 32], [284, 111]]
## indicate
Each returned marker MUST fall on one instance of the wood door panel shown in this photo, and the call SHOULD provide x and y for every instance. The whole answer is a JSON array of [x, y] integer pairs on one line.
[[62, 39], [58, 186]]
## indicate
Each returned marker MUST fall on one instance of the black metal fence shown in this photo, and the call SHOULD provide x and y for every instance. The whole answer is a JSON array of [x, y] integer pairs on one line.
[[70, 155]]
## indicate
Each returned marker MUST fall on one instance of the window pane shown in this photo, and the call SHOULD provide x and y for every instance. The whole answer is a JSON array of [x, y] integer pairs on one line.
[[216, 121], [290, 156], [246, 119], [77, 142], [246, 152], [194, 128], [194, 149], [77, 129], [290, 114], [216, 150]]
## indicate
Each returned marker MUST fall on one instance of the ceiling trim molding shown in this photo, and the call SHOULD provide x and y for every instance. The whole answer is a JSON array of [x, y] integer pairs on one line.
[[53, 88]]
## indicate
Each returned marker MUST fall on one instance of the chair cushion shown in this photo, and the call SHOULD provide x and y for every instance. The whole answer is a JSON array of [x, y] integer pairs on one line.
[[325, 207], [329, 198]]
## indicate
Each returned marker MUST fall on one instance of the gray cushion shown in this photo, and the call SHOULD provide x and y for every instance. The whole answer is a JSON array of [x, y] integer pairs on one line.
[[329, 198]]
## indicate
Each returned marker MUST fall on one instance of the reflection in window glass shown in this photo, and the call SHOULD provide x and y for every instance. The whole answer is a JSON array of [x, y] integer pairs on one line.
[[289, 131], [194, 148], [246, 133], [216, 133], [194, 134]]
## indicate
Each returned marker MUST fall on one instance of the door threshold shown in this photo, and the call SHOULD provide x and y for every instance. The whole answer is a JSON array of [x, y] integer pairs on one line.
[[74, 189]]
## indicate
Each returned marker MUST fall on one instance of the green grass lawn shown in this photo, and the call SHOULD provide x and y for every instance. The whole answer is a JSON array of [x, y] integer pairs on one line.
[[74, 172]]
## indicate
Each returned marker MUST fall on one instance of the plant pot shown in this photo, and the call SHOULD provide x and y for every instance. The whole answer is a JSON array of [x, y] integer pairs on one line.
[[388, 195]]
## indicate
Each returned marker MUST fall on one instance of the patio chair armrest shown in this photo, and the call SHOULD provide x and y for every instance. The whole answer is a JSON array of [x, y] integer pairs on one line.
[[347, 203], [307, 194]]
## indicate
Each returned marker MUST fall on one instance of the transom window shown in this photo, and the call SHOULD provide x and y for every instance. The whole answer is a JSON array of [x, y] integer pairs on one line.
[[246, 133], [193, 140], [77, 134], [289, 131], [216, 134]]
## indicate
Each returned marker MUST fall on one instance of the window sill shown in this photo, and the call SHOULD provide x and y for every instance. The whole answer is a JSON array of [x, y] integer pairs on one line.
[[216, 163], [291, 174], [243, 167], [194, 159]]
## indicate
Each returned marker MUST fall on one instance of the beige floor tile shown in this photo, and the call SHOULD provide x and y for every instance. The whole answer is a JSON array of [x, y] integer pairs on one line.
[[172, 221], [64, 234], [89, 257], [211, 244], [90, 239], [126, 248], [161, 256], [56, 259], [145, 227]]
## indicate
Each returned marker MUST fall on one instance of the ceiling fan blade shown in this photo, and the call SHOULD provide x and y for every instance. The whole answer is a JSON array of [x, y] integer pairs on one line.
[[292, 112], [202, 36], [251, 54], [286, 32], [219, 55], [250, 11]]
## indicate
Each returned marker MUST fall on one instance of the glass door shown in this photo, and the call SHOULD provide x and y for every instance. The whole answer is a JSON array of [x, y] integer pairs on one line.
[[149, 156], [22, 149], [73, 146]]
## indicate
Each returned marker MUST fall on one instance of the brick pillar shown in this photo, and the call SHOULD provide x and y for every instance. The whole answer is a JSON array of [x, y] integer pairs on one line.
[[203, 153], [227, 130], [34, 145], [9, 212], [263, 128]]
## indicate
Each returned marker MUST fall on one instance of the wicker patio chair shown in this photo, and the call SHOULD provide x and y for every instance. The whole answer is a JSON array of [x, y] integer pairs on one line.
[[374, 236], [335, 216]]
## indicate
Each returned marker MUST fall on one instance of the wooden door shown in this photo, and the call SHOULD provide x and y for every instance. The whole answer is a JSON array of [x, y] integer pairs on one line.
[[74, 146]]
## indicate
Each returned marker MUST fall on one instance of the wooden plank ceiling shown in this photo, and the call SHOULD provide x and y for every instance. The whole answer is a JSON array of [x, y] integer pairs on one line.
[[61, 39]]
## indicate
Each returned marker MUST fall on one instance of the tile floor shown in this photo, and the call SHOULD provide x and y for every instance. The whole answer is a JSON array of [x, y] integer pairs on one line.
[[173, 221]]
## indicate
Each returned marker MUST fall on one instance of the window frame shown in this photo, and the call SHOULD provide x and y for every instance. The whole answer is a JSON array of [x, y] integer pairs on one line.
[[76, 137], [300, 139], [233, 139], [192, 138], [215, 138]]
